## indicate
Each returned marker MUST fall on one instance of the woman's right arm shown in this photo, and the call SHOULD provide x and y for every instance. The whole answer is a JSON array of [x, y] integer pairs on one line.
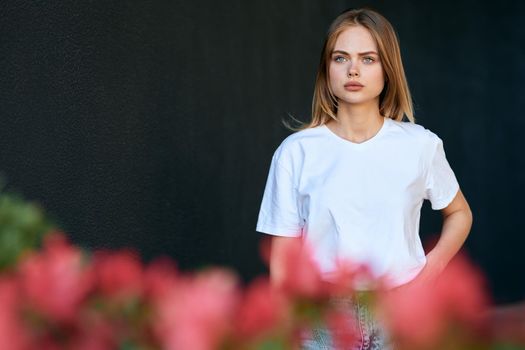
[[277, 254]]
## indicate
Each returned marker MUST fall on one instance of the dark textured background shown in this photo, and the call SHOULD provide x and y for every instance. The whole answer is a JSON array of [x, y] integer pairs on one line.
[[151, 124]]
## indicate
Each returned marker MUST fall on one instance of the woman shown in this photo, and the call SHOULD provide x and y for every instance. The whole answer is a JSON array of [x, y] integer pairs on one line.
[[352, 181]]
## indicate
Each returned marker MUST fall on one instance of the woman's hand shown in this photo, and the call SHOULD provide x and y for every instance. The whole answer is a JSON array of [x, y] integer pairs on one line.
[[457, 221], [426, 277], [430, 272]]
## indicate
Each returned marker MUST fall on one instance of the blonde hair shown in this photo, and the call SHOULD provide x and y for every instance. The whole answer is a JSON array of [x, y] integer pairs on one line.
[[395, 100]]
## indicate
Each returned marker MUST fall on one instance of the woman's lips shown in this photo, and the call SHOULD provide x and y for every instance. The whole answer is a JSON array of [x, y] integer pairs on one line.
[[353, 87]]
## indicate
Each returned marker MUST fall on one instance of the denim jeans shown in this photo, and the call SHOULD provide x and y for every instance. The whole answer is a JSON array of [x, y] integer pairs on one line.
[[371, 334]]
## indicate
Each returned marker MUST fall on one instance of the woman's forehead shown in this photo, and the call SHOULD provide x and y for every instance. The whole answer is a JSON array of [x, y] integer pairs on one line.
[[355, 39]]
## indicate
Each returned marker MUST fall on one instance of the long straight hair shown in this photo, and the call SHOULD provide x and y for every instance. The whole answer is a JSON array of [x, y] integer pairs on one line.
[[395, 100]]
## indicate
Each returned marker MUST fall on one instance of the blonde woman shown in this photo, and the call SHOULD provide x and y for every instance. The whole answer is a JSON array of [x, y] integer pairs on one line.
[[351, 182]]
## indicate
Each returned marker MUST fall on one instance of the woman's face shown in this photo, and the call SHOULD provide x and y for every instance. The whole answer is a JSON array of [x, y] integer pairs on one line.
[[355, 58]]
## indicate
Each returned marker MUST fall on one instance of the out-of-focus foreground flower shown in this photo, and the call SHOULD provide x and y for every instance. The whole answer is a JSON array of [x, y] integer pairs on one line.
[[55, 281], [198, 312], [62, 298], [431, 315], [12, 331]]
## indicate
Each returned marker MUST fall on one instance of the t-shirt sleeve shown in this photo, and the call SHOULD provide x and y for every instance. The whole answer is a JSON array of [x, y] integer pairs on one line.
[[441, 182], [279, 213]]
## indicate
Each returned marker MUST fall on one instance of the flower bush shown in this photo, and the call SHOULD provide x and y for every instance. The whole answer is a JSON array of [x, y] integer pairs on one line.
[[57, 296]]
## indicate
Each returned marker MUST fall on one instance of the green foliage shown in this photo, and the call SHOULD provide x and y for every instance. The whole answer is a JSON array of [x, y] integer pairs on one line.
[[508, 346], [23, 224]]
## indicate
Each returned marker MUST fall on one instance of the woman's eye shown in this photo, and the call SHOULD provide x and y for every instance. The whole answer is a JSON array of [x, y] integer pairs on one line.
[[336, 58], [368, 59]]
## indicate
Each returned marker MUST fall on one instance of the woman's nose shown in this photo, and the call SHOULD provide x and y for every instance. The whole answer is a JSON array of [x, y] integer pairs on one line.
[[353, 71]]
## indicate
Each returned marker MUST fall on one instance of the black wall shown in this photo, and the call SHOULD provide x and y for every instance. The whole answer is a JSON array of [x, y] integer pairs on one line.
[[151, 124]]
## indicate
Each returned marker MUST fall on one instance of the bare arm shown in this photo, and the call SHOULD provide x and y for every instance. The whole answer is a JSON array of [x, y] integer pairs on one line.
[[276, 258], [457, 221]]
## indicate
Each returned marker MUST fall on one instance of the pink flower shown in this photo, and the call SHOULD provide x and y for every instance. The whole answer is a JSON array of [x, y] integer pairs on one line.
[[507, 323], [458, 294], [94, 332], [56, 280], [418, 308], [160, 277], [301, 274], [263, 308], [119, 274], [347, 277], [12, 334], [464, 288], [343, 328], [198, 313]]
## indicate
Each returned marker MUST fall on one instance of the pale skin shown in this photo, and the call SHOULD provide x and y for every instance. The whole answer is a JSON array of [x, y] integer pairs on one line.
[[355, 58]]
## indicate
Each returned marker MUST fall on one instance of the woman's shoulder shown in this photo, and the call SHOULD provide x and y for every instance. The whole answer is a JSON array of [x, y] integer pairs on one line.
[[415, 131], [294, 144], [299, 136]]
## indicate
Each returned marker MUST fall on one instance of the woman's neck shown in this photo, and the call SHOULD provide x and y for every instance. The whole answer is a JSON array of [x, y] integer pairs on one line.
[[357, 123]]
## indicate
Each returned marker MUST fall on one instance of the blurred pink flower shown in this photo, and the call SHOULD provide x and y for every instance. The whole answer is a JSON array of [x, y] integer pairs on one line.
[[45, 342], [119, 274], [262, 309], [198, 313], [463, 286], [507, 323], [348, 276], [160, 276], [94, 332], [415, 308], [458, 294], [343, 328], [301, 273], [56, 280], [12, 333]]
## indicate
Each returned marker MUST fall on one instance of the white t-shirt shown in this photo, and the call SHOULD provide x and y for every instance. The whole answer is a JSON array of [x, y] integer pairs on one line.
[[358, 202]]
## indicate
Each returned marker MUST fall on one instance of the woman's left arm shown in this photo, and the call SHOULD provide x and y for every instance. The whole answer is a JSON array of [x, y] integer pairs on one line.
[[457, 221]]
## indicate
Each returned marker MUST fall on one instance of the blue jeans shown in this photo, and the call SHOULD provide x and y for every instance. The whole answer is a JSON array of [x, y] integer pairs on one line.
[[371, 334]]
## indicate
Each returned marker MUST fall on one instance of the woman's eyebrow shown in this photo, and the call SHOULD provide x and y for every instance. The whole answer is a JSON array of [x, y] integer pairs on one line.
[[360, 54]]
